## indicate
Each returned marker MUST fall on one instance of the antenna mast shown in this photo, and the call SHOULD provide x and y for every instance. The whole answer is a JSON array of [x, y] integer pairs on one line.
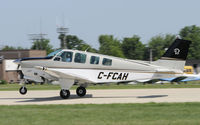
[[62, 31], [37, 37]]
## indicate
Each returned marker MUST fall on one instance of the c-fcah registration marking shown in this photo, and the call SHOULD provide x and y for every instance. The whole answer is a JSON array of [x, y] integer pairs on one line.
[[113, 75]]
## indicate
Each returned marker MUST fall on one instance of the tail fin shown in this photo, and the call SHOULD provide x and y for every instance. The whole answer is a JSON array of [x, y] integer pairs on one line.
[[176, 55], [178, 50]]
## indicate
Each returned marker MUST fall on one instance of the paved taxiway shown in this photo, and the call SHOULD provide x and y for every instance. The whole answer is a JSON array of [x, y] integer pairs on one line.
[[102, 96]]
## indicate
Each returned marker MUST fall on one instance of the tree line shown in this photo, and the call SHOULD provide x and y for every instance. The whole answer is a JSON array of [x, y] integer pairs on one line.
[[128, 47]]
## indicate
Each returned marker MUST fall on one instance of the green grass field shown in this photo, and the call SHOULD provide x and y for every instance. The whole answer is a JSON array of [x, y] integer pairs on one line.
[[7, 87], [108, 114]]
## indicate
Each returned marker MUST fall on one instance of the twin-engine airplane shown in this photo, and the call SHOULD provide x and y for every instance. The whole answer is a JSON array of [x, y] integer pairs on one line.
[[70, 66]]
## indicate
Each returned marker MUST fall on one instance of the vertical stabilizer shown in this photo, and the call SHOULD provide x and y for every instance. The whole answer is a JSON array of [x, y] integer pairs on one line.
[[175, 56]]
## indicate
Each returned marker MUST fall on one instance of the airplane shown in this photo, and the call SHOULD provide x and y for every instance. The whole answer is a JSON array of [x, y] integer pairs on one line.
[[72, 66], [188, 75], [184, 78]]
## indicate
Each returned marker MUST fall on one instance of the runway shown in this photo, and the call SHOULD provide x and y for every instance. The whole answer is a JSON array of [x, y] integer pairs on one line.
[[102, 96]]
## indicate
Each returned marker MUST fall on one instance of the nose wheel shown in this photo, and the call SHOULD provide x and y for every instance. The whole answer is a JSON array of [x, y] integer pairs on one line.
[[64, 93], [81, 91], [23, 90]]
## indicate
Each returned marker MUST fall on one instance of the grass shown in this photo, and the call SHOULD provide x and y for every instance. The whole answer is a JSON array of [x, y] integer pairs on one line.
[[8, 87], [108, 114]]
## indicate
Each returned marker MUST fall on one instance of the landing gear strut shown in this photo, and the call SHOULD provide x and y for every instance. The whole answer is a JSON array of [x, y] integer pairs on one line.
[[81, 91], [64, 93], [23, 90]]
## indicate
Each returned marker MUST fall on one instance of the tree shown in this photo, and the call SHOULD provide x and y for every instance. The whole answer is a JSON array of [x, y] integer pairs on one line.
[[12, 48], [146, 56], [159, 44], [42, 44], [110, 46], [8, 48], [133, 48], [73, 42], [192, 33]]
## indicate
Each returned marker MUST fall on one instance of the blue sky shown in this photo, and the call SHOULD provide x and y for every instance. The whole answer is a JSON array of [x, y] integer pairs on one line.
[[90, 18]]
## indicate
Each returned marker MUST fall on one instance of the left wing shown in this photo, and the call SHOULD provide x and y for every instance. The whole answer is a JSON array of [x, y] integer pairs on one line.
[[64, 74]]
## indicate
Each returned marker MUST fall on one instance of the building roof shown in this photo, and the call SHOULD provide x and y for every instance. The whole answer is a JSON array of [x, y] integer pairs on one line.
[[15, 54]]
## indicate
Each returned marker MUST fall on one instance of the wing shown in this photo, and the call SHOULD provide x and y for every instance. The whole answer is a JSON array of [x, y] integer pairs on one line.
[[65, 74]]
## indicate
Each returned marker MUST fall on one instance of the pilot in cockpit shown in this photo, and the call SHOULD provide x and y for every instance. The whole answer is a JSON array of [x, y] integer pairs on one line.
[[68, 57]]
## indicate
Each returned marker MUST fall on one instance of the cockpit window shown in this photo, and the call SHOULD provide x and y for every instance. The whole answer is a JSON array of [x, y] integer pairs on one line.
[[54, 53], [80, 58], [94, 60], [66, 56], [107, 62]]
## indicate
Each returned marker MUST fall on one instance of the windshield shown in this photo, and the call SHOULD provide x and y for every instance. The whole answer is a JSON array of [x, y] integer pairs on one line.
[[54, 53]]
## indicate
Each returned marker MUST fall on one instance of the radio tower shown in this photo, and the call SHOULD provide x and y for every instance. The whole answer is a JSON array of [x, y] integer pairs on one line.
[[38, 37], [62, 31]]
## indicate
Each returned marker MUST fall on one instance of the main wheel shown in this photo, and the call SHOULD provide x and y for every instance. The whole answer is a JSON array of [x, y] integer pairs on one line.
[[23, 90], [81, 91], [64, 93]]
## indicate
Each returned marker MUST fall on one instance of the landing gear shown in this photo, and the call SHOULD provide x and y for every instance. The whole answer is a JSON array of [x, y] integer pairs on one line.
[[23, 90], [64, 93], [81, 91]]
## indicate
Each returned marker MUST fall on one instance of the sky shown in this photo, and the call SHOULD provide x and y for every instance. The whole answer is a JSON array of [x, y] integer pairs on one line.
[[88, 19]]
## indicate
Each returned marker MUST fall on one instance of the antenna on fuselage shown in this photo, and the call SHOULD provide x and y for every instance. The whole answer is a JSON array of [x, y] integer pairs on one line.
[[87, 49]]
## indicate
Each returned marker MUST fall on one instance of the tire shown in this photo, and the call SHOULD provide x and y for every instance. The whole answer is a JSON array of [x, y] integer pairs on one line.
[[23, 90], [81, 91], [64, 94]]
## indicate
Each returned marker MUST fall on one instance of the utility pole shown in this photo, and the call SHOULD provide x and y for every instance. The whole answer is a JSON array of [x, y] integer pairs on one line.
[[150, 55]]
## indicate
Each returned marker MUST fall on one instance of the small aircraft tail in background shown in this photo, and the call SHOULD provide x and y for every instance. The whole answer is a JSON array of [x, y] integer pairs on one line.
[[175, 56]]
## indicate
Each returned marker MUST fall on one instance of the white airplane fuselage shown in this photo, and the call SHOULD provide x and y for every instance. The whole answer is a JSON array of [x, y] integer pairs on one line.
[[121, 70]]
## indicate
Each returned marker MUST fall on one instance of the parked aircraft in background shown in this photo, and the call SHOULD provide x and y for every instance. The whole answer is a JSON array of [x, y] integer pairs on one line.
[[70, 66], [194, 77], [187, 76]]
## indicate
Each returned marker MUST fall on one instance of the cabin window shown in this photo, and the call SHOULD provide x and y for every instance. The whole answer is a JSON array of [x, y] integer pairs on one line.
[[64, 57], [107, 62], [94, 60], [80, 58]]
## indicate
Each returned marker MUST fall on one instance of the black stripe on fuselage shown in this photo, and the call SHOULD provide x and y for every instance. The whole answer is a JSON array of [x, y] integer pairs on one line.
[[36, 58]]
